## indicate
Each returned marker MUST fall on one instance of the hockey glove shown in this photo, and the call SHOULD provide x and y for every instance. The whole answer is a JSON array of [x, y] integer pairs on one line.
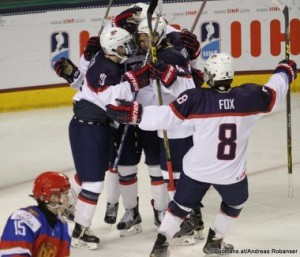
[[289, 67], [198, 77], [66, 69], [166, 73], [129, 19], [91, 48], [125, 112], [191, 43], [138, 79]]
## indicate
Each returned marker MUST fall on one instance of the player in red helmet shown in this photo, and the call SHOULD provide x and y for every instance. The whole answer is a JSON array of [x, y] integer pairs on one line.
[[40, 228]]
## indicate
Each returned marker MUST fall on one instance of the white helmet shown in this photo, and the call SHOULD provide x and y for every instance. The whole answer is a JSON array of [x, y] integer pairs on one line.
[[159, 26], [218, 67], [114, 39]]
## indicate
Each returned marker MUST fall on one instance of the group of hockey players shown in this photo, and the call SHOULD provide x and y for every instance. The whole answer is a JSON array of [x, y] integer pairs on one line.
[[117, 66], [127, 102]]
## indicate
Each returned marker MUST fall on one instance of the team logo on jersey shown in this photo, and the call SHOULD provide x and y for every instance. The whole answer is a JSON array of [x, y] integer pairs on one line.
[[210, 39], [59, 46]]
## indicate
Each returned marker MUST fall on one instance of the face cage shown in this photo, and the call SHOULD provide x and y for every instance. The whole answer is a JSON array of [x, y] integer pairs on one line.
[[140, 50], [130, 49], [63, 201], [208, 78]]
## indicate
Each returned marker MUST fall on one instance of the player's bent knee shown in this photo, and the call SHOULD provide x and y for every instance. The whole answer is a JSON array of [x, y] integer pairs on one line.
[[232, 210], [178, 210]]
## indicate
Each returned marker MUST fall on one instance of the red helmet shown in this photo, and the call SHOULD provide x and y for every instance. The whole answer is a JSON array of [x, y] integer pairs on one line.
[[49, 183]]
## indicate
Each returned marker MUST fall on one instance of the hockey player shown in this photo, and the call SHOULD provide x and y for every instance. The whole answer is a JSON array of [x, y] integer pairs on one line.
[[222, 117], [137, 140], [40, 230], [173, 61], [128, 20], [89, 130], [149, 143]]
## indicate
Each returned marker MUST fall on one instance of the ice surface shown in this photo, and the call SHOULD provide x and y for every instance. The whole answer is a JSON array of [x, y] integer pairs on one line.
[[35, 141]]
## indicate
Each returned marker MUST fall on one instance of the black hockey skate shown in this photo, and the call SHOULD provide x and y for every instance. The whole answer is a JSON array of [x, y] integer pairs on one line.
[[196, 218], [158, 215], [185, 236], [83, 237], [111, 213], [216, 246], [160, 248], [130, 223]]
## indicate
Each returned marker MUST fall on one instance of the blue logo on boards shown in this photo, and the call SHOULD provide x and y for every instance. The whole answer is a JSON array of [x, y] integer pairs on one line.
[[210, 39], [59, 46]]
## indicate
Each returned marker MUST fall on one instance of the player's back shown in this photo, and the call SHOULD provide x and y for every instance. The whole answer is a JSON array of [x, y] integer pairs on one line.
[[222, 122]]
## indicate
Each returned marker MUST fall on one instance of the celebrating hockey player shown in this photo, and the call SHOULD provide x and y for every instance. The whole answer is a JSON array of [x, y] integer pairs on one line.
[[173, 62], [90, 131], [222, 117], [40, 230]]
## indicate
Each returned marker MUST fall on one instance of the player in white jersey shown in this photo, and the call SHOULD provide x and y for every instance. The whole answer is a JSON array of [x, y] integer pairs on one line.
[[173, 61], [89, 130], [222, 117]]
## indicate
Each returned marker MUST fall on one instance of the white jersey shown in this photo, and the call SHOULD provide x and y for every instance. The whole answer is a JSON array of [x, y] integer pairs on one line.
[[222, 123], [102, 84]]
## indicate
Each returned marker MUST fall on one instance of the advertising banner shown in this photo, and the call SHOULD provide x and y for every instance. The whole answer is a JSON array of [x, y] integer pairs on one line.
[[251, 31]]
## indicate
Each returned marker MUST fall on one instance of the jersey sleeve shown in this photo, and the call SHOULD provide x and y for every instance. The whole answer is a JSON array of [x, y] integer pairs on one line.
[[279, 83], [172, 115], [83, 67], [19, 234], [185, 104], [158, 117]]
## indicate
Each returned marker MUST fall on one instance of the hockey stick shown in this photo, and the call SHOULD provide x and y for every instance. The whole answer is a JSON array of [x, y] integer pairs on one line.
[[285, 11], [152, 6], [198, 15], [121, 145], [105, 17]]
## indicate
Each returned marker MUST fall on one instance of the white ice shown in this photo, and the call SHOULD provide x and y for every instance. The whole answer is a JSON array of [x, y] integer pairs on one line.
[[37, 140]]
